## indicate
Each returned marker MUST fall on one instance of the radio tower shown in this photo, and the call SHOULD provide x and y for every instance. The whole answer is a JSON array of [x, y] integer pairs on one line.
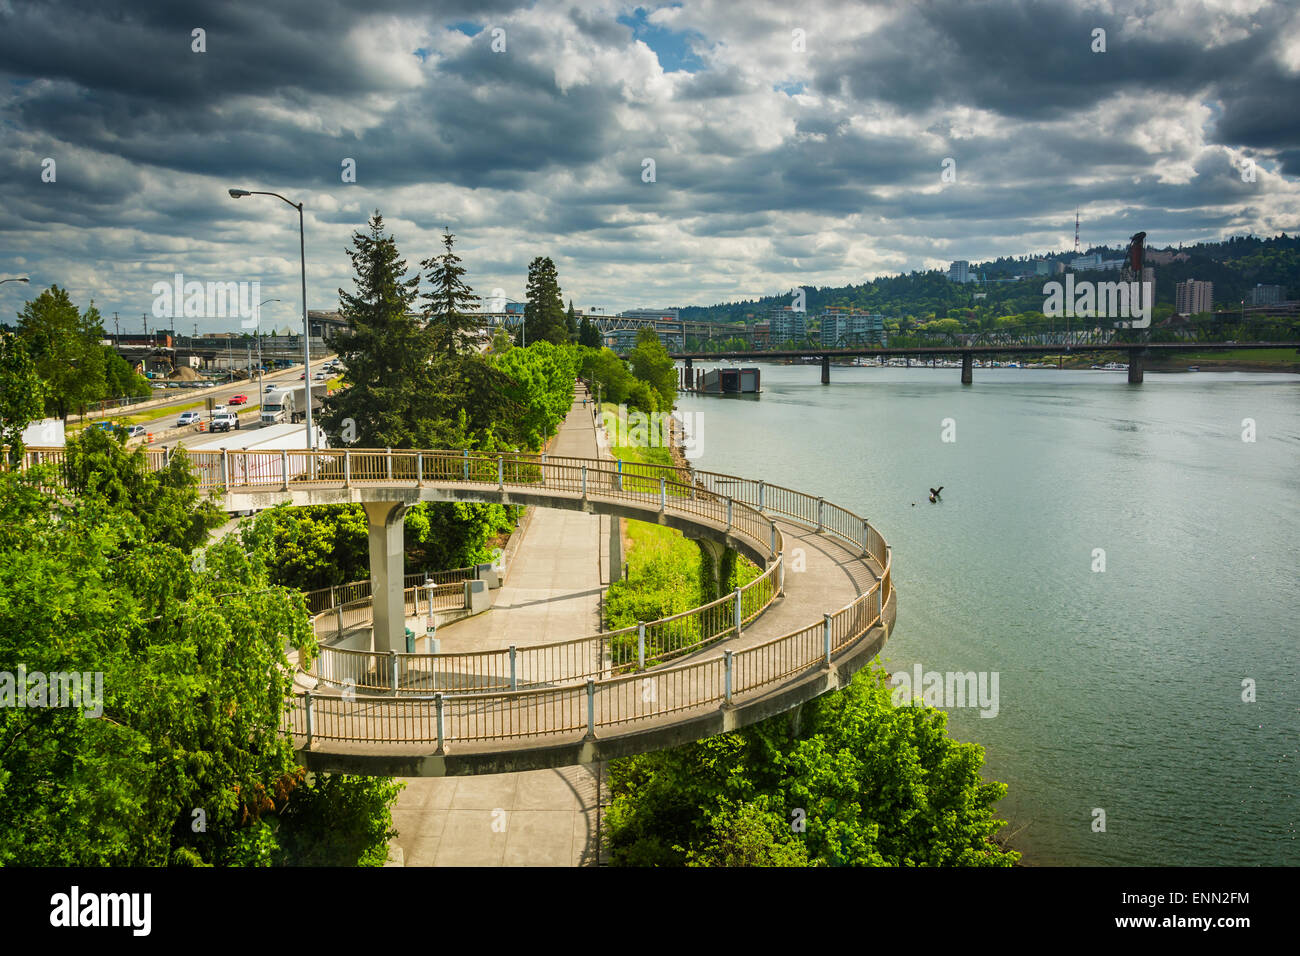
[[1076, 230]]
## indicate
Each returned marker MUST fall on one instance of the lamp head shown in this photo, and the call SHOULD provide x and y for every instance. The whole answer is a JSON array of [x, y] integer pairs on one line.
[[239, 193]]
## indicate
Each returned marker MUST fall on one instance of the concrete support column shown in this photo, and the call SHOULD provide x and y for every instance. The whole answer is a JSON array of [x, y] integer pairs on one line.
[[826, 369], [967, 366], [387, 570], [1135, 366]]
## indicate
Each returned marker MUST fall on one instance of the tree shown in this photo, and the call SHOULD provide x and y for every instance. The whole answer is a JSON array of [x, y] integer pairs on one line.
[[571, 322], [98, 464], [65, 345], [387, 351], [872, 784], [120, 379], [22, 394], [588, 334], [544, 309], [175, 754], [447, 307], [651, 363]]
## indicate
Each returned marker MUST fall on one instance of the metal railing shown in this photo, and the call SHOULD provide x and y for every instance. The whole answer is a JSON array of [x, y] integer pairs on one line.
[[617, 690]]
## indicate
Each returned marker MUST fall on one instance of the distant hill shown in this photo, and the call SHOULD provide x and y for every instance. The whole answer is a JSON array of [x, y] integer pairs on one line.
[[1234, 265]]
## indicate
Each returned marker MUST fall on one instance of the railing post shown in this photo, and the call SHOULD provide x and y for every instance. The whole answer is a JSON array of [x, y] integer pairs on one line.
[[338, 619], [501, 481], [740, 610], [640, 645], [442, 737], [389, 459], [466, 457], [866, 536], [543, 468], [773, 546], [419, 468], [309, 720], [514, 675], [584, 481], [334, 596], [780, 577], [225, 469], [728, 513], [620, 474], [347, 468], [591, 709], [826, 635], [284, 470], [392, 669], [821, 505], [726, 693], [761, 487], [663, 495]]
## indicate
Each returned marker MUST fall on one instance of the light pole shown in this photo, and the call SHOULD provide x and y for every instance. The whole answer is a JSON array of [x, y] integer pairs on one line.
[[18, 279], [260, 393], [306, 328]]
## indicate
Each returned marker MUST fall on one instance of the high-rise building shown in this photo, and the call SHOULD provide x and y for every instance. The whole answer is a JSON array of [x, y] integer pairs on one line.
[[787, 325], [842, 328], [1266, 295], [1192, 297], [959, 271]]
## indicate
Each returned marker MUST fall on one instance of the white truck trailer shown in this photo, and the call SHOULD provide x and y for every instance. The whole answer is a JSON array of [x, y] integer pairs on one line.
[[289, 406], [261, 463]]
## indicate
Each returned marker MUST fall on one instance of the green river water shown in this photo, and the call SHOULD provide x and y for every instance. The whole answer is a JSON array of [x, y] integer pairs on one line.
[[1118, 689]]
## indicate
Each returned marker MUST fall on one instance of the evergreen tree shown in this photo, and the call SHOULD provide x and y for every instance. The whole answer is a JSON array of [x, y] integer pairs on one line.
[[451, 324], [571, 321], [386, 350], [588, 334], [544, 310]]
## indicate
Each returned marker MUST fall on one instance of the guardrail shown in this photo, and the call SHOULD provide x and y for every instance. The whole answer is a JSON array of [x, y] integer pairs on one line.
[[610, 698]]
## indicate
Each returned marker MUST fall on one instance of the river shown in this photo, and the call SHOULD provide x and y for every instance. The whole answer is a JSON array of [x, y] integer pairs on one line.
[[1120, 690]]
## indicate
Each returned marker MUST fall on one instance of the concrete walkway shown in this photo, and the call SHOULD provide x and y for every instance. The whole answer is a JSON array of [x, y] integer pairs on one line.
[[538, 817]]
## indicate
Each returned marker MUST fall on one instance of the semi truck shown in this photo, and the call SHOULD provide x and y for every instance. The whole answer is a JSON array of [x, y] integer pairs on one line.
[[263, 463], [289, 406]]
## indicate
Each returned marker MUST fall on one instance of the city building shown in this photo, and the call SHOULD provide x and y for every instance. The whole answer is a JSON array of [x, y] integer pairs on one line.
[[1266, 295], [1083, 263], [787, 325], [959, 271], [842, 328], [1042, 267], [1192, 297]]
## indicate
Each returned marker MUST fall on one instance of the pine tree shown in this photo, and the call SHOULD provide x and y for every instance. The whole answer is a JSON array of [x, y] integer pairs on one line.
[[451, 324], [571, 321], [544, 310], [588, 334], [385, 350]]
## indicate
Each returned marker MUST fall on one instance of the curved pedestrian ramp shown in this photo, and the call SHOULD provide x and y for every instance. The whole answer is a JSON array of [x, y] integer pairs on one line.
[[822, 607]]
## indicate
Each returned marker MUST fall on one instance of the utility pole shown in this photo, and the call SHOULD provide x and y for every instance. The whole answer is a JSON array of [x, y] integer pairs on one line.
[[117, 332]]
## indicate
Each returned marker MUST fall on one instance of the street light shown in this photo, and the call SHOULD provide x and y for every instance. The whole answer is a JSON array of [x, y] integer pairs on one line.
[[19, 279], [306, 328], [260, 392]]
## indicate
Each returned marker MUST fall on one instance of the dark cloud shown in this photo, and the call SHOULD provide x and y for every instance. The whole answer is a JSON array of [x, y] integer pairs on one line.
[[830, 159]]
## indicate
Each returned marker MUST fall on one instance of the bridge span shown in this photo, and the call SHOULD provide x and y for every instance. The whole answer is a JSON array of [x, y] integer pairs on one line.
[[821, 608]]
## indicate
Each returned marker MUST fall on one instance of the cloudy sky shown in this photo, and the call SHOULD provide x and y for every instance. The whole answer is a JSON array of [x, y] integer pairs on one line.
[[792, 144]]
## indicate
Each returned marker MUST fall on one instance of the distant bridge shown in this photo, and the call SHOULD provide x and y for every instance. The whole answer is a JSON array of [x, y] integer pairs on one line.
[[1137, 343]]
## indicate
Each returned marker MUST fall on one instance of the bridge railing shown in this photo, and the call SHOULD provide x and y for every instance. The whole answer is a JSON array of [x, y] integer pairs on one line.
[[609, 703]]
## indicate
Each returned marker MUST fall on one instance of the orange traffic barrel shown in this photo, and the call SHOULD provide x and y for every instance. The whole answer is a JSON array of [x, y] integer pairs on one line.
[[148, 438]]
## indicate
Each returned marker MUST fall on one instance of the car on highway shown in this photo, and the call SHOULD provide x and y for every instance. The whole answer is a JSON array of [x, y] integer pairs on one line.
[[136, 431], [225, 421], [238, 399], [187, 418], [319, 376], [302, 376]]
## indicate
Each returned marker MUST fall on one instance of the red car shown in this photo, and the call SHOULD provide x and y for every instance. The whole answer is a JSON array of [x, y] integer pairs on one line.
[[239, 400]]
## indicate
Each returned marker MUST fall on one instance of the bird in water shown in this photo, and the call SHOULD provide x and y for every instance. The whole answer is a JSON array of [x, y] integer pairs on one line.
[[934, 494]]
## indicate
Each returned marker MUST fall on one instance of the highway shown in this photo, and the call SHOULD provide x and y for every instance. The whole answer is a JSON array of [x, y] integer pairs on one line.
[[160, 418]]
